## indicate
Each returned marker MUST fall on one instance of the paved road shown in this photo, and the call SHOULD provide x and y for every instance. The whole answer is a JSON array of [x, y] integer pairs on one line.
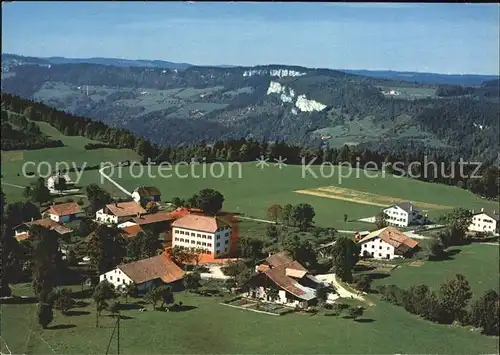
[[120, 187], [18, 186]]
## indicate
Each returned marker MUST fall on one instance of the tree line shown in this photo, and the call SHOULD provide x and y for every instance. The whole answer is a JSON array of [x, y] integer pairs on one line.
[[446, 170]]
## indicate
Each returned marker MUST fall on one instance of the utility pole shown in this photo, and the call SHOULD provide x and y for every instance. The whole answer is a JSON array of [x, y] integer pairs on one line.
[[118, 334]]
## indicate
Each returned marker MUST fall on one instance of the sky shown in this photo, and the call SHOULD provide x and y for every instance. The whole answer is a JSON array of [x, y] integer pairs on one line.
[[439, 38]]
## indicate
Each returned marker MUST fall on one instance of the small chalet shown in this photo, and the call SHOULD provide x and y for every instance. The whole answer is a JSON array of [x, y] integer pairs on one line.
[[404, 214], [485, 222], [296, 287], [146, 273], [22, 231], [65, 212], [145, 194], [387, 243], [119, 212], [54, 179]]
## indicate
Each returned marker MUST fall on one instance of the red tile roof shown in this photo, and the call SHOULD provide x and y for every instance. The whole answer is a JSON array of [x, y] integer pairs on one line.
[[44, 222], [279, 259], [278, 275], [52, 225], [124, 209], [156, 267], [157, 217], [65, 209], [393, 237], [132, 231], [200, 223]]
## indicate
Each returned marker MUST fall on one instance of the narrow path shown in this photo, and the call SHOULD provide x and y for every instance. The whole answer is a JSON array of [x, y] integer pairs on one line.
[[341, 290], [257, 220], [18, 186], [121, 188], [3, 341]]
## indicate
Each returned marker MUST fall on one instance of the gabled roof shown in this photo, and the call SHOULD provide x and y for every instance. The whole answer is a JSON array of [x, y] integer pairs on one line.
[[157, 217], [156, 267], [132, 231], [124, 209], [147, 191], [393, 237], [406, 206], [493, 215], [279, 259], [280, 276], [47, 223], [200, 223], [65, 209]]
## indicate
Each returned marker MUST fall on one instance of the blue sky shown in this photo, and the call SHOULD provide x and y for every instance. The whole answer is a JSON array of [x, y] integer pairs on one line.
[[442, 38]]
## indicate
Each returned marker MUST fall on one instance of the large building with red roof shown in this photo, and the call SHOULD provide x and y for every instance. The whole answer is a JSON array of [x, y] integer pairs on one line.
[[212, 234], [387, 243]]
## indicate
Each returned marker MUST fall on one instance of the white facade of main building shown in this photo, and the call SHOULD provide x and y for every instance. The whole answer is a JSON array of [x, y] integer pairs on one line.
[[216, 243]]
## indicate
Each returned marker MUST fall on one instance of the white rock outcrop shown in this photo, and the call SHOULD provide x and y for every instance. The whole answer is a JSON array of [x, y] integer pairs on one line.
[[287, 94], [306, 105], [280, 73], [285, 72]]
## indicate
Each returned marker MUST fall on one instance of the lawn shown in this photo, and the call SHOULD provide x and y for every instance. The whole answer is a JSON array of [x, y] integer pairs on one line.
[[73, 153], [477, 262], [210, 328], [254, 190], [248, 189]]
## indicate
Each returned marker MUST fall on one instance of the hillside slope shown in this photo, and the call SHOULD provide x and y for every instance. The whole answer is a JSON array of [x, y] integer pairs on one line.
[[295, 104]]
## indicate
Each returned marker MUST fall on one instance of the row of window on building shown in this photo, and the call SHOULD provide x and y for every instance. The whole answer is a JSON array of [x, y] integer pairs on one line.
[[198, 235], [373, 246]]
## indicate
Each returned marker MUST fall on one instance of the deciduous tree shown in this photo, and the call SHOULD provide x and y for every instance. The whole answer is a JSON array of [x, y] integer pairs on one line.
[[45, 314], [485, 312], [210, 201], [303, 215], [192, 281], [274, 212], [46, 261], [345, 254], [454, 297], [103, 292], [381, 220]]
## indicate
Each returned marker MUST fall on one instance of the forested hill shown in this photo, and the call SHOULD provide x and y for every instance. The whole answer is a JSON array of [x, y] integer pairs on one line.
[[25, 112], [299, 105]]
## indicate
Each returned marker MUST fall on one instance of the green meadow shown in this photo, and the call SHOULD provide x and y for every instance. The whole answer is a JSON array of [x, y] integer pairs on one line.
[[211, 328], [247, 189]]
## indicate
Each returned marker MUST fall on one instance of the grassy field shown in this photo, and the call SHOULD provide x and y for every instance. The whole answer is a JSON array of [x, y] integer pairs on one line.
[[73, 153], [254, 190], [477, 262], [210, 328], [247, 189]]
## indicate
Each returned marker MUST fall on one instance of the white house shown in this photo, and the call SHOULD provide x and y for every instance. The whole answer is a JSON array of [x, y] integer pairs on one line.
[[403, 215], [387, 243], [295, 286], [119, 212], [143, 194], [484, 222], [211, 234], [65, 212], [54, 179], [144, 273]]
